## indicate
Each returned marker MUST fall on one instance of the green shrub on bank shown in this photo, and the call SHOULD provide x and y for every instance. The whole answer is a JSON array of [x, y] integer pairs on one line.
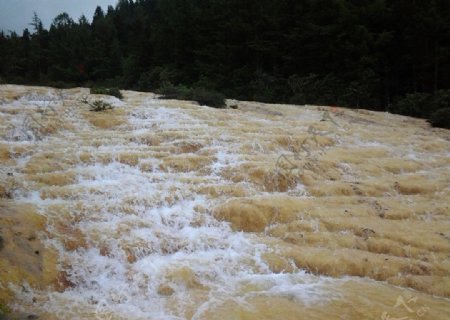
[[210, 98], [170, 91], [203, 96], [421, 105], [108, 91], [416, 104], [441, 118], [61, 85]]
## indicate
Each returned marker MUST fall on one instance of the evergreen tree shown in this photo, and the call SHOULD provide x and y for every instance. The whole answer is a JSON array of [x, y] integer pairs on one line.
[[385, 55]]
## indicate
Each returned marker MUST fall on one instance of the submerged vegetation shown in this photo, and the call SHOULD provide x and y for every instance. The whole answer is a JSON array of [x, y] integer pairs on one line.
[[99, 105], [375, 54]]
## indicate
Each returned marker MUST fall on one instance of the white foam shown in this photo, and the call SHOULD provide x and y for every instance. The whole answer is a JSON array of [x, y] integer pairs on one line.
[[141, 226]]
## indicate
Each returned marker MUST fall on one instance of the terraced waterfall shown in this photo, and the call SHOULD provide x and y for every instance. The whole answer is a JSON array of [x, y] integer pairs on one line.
[[164, 209]]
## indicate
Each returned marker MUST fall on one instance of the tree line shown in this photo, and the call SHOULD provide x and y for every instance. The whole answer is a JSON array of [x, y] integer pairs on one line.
[[376, 54]]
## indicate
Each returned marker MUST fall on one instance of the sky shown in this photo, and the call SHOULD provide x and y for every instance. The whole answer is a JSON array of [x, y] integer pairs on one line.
[[15, 15]]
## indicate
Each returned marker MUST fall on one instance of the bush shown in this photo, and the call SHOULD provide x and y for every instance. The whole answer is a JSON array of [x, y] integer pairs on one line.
[[441, 99], [61, 85], [110, 92], [441, 118], [265, 88], [210, 98], [422, 105], [413, 104], [169, 91], [315, 89], [99, 105], [203, 96], [145, 82]]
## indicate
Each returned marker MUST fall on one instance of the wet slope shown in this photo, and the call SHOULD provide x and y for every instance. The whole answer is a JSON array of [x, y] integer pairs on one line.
[[163, 209]]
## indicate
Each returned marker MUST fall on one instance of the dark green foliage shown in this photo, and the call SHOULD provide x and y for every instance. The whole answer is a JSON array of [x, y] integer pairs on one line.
[[207, 97], [313, 89], [377, 54], [422, 104], [108, 91], [415, 104], [145, 82], [99, 105], [441, 99], [60, 84], [441, 103], [441, 118], [203, 96], [169, 91]]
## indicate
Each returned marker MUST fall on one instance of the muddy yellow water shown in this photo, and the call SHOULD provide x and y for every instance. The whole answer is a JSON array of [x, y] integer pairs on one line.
[[162, 209]]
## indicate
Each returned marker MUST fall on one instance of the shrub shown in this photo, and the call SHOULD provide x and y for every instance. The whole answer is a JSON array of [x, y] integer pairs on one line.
[[315, 89], [108, 91], [99, 105], [412, 104], [264, 87], [203, 96], [145, 82], [421, 104], [441, 118], [61, 84], [441, 99], [169, 91], [210, 98]]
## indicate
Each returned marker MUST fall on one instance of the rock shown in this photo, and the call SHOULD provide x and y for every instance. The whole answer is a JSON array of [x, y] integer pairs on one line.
[[184, 276], [367, 233], [255, 214], [22, 260], [5, 192]]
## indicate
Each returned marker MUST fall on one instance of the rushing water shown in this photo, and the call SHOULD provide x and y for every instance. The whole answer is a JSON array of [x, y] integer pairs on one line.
[[146, 208]]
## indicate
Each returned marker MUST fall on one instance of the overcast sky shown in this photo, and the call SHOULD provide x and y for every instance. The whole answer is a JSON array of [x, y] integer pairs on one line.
[[16, 15]]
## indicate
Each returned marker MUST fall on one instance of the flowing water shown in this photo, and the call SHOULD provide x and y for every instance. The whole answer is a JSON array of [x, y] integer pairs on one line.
[[162, 209]]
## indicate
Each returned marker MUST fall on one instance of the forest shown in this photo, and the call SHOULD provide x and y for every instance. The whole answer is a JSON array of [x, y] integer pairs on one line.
[[374, 54]]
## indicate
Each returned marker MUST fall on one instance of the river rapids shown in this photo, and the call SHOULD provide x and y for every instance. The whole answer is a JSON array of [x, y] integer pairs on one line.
[[164, 209]]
